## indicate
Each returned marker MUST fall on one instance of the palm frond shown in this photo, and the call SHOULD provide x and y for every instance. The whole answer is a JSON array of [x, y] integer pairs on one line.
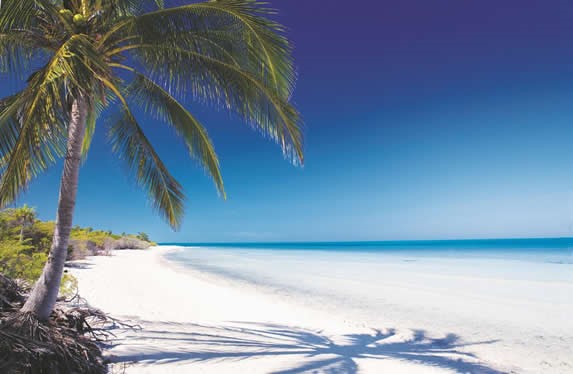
[[91, 121], [213, 80], [32, 128], [159, 103], [10, 113], [17, 14], [97, 104], [25, 14], [19, 48], [118, 9], [240, 27], [37, 118], [20, 37], [130, 143]]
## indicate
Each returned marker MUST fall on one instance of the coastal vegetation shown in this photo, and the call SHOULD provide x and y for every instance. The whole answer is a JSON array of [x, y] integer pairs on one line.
[[24, 244]]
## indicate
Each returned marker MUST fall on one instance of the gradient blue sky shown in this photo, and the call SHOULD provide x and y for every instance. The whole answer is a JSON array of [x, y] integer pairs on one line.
[[424, 120]]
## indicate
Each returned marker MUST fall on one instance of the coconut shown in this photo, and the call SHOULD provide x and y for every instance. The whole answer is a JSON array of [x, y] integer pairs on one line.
[[66, 13], [79, 19]]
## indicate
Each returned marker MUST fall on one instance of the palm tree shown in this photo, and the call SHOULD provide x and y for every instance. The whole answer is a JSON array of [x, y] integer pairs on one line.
[[25, 216], [82, 56]]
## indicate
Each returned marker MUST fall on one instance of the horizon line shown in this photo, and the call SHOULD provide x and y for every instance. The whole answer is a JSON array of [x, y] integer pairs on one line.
[[558, 238]]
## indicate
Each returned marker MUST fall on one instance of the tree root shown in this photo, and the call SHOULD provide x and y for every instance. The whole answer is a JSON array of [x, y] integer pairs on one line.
[[68, 343], [31, 346]]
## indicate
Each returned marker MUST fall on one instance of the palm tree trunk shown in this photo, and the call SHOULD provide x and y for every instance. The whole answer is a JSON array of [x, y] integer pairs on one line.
[[43, 297], [22, 233]]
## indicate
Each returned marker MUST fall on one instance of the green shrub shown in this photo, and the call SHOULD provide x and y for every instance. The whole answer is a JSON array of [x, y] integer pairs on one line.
[[25, 243], [18, 260], [143, 236]]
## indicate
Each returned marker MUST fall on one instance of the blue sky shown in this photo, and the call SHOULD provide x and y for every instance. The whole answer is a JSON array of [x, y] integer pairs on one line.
[[424, 120]]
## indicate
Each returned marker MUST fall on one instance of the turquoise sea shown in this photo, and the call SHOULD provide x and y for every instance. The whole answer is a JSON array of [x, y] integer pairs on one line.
[[302, 266], [551, 250]]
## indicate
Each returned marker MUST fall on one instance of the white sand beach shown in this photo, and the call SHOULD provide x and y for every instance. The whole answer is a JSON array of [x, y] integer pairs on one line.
[[198, 322]]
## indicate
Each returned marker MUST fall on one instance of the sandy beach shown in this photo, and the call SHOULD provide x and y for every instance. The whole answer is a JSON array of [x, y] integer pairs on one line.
[[197, 322]]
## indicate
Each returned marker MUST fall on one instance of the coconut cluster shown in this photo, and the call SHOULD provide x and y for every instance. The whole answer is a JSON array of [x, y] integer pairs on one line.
[[77, 19]]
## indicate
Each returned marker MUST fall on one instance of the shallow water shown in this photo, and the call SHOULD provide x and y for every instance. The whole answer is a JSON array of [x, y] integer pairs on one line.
[[443, 276], [517, 294]]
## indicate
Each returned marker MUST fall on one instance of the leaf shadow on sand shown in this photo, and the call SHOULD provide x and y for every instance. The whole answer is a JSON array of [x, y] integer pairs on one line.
[[314, 352]]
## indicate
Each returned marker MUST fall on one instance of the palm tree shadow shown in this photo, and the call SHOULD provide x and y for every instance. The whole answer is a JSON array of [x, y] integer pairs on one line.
[[313, 351]]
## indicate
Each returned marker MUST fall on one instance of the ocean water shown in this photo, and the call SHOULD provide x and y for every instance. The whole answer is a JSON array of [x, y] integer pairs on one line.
[[520, 284], [550, 250], [515, 292], [318, 267]]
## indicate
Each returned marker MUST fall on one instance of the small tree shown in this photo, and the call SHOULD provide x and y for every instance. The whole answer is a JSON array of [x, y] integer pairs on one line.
[[143, 236], [25, 216]]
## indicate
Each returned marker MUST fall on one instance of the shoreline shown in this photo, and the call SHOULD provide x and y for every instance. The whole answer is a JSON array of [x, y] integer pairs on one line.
[[198, 322]]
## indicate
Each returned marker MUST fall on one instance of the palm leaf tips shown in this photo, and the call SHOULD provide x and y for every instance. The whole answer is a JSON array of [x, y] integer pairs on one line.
[[129, 141], [161, 105]]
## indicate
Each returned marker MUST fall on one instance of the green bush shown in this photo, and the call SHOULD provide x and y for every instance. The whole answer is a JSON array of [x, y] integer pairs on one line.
[[25, 242], [143, 236], [97, 237], [19, 260]]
